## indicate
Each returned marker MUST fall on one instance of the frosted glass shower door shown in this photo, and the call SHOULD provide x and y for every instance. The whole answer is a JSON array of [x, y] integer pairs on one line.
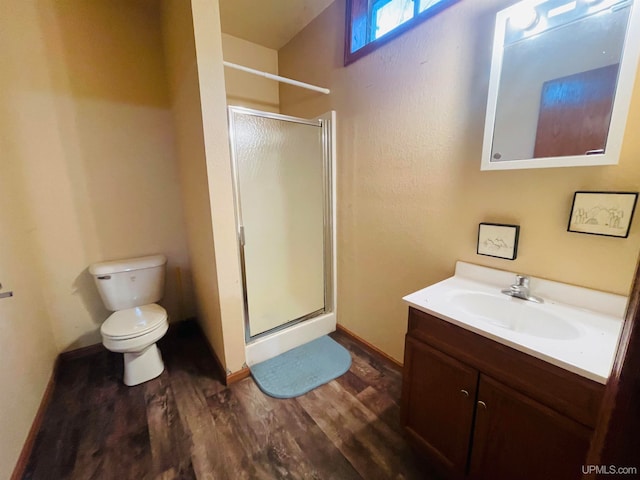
[[280, 183]]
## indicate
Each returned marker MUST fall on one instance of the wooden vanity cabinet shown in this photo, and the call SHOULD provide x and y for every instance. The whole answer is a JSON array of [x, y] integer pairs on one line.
[[517, 437], [438, 406], [478, 409]]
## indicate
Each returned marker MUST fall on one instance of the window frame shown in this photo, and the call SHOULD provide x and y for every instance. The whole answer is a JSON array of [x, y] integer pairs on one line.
[[374, 44]]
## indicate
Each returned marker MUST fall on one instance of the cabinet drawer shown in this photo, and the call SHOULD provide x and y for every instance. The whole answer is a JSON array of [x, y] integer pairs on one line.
[[566, 392]]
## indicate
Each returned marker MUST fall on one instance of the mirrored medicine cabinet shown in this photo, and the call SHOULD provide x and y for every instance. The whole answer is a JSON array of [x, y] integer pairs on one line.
[[562, 75]]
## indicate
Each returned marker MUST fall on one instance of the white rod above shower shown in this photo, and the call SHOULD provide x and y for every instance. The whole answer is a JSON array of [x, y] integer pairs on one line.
[[277, 77]]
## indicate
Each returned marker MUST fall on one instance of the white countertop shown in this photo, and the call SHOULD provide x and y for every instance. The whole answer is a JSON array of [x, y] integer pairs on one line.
[[593, 317]]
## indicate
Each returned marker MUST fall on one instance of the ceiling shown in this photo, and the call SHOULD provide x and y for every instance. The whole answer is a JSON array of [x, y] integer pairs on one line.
[[270, 23]]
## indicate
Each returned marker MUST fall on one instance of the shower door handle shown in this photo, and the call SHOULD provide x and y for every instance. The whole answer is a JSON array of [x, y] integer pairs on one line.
[[241, 235]]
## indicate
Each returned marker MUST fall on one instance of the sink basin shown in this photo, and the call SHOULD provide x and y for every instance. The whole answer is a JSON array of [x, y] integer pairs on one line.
[[513, 314], [576, 329]]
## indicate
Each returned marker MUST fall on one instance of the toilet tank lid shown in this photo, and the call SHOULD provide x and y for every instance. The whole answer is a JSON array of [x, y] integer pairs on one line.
[[127, 264]]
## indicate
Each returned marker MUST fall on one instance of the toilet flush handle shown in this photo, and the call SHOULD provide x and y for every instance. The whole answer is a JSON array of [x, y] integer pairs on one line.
[[104, 277]]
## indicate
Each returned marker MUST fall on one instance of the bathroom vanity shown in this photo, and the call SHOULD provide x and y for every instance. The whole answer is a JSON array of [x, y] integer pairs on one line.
[[488, 400]]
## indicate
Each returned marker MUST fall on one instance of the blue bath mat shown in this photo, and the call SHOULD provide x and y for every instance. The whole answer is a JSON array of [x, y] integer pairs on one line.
[[302, 369]]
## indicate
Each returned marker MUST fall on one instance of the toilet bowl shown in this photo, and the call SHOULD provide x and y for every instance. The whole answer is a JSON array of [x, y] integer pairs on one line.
[[134, 332], [130, 289]]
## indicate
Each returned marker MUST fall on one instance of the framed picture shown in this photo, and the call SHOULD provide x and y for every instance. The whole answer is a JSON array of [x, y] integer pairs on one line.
[[602, 213], [498, 240]]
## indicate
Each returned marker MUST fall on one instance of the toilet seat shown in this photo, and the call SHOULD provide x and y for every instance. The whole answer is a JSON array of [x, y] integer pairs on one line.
[[134, 322]]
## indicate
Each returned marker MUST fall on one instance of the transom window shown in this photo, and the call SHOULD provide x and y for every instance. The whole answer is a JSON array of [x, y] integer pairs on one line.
[[373, 22]]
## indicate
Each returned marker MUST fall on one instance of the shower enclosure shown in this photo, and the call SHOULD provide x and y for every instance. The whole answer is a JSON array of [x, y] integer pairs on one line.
[[284, 187]]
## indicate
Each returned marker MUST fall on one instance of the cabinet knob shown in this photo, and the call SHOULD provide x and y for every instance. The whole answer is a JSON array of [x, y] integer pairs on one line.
[[482, 404], [464, 392]]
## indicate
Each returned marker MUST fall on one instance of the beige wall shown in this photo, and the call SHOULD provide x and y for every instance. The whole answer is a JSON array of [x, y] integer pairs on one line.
[[27, 345], [194, 53], [88, 174], [208, 41], [91, 125], [244, 89], [410, 191]]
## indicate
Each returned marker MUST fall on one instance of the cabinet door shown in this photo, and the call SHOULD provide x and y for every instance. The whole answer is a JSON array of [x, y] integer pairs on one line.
[[516, 437], [438, 396]]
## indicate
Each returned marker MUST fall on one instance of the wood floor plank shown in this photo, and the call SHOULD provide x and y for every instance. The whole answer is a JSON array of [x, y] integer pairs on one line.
[[115, 432], [186, 424], [173, 474], [195, 360], [240, 444], [326, 459], [127, 457], [352, 383], [275, 451], [371, 368], [383, 406], [170, 442], [206, 449], [192, 375], [371, 447], [56, 446]]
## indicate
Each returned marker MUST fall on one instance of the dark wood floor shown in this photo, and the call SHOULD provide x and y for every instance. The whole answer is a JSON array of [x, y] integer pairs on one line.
[[186, 424]]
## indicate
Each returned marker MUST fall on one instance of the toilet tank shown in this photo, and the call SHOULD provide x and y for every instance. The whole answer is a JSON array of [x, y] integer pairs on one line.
[[130, 282]]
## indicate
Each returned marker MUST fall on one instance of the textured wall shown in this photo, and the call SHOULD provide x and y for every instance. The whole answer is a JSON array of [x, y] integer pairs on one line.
[[194, 52], [90, 123], [183, 79], [410, 190], [27, 344], [208, 39], [245, 89]]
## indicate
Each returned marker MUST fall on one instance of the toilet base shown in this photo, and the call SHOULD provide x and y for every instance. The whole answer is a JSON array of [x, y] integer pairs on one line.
[[140, 367]]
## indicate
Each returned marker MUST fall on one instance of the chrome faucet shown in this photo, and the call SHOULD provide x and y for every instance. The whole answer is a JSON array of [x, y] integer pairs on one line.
[[520, 289]]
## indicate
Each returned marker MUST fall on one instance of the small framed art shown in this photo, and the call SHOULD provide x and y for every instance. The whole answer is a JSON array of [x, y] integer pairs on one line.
[[498, 240], [603, 213]]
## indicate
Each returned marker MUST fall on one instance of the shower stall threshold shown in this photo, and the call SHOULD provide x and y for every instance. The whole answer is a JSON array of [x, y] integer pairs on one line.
[[279, 342]]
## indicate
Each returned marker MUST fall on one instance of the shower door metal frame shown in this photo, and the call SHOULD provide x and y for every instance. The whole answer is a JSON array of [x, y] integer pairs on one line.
[[324, 123]]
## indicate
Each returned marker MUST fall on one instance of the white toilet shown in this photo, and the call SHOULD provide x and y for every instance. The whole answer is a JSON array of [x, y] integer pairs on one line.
[[129, 288]]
